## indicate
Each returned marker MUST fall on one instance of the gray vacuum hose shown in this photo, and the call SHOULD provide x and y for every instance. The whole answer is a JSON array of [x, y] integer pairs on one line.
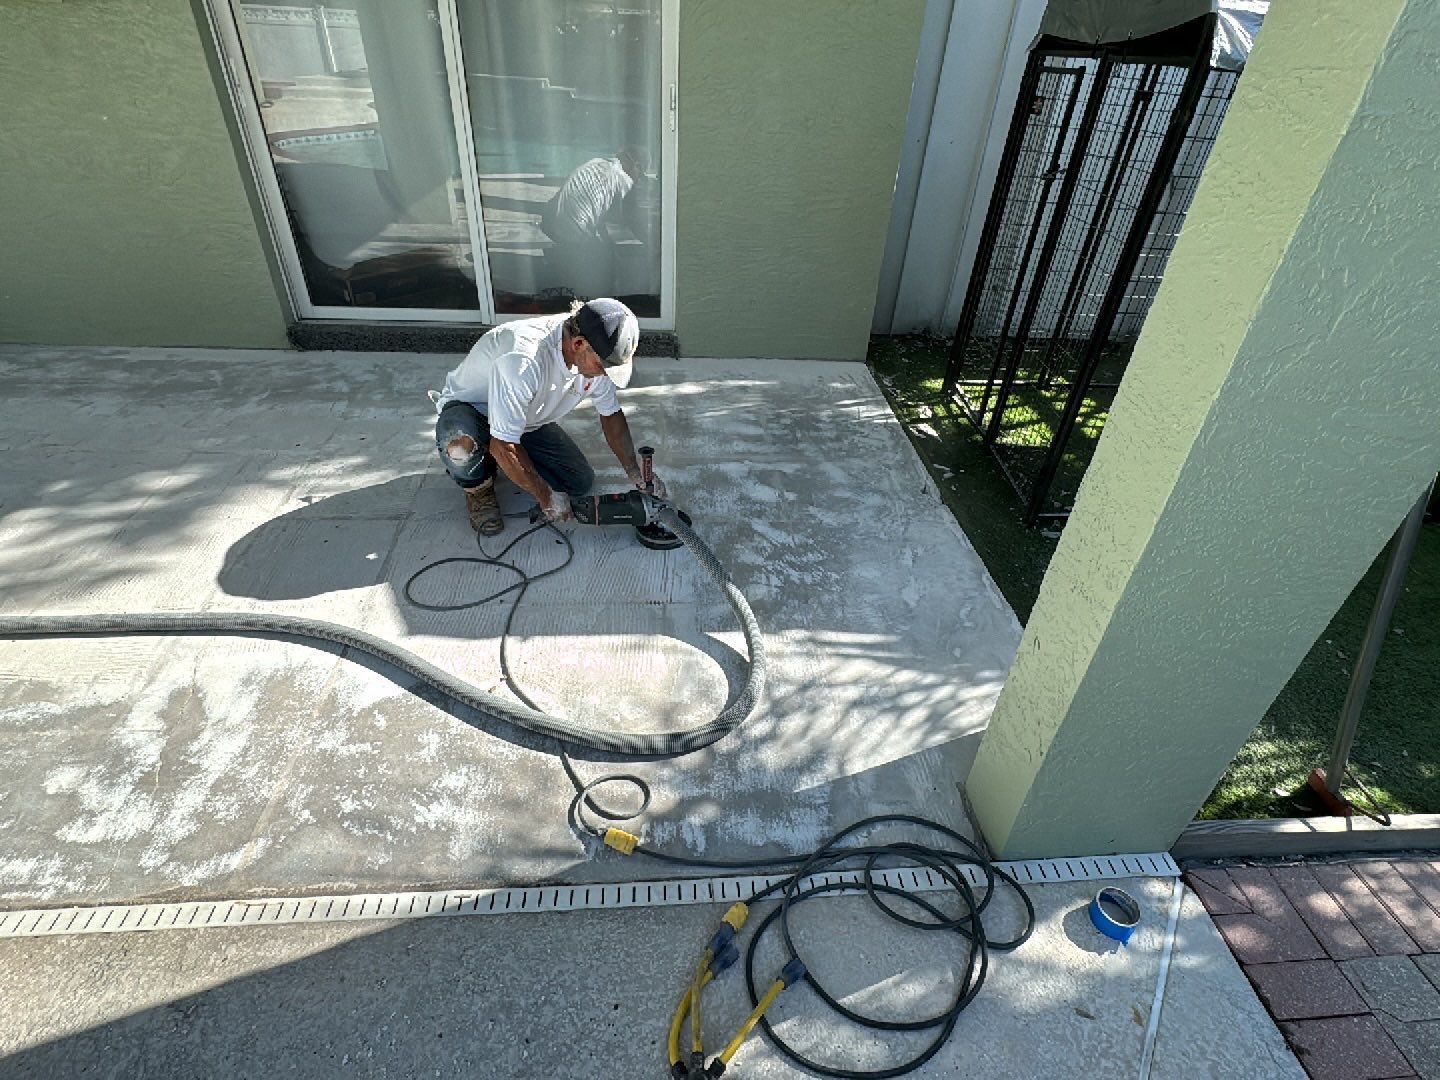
[[628, 743]]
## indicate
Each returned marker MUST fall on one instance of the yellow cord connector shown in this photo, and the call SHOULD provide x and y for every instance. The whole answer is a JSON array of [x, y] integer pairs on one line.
[[737, 915], [621, 841], [792, 973]]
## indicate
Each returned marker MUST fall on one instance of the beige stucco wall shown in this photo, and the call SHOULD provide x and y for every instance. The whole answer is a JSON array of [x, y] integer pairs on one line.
[[127, 219]]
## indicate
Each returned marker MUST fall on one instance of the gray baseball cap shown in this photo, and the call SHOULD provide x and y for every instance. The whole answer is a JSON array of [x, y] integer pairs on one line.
[[613, 332]]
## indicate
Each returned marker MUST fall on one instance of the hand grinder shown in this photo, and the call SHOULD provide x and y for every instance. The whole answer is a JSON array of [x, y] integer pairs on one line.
[[634, 507], [652, 534]]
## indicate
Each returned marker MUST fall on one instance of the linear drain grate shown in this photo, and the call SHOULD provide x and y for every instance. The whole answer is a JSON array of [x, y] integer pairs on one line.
[[275, 911]]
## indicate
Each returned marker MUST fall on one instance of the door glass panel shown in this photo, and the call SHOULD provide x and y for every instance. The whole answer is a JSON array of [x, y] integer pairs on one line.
[[355, 104], [565, 99]]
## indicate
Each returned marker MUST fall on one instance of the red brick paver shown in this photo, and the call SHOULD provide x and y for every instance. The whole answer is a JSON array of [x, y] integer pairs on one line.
[[1274, 933], [1217, 892], [1423, 877], [1407, 905], [1255, 940], [1386, 936], [1346, 957], [1346, 1048], [1326, 919], [1305, 990]]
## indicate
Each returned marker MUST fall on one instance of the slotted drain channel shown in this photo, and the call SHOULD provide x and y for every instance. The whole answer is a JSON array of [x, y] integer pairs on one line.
[[276, 911]]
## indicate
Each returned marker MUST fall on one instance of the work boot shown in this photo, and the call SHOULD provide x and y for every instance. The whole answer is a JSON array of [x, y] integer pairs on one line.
[[484, 509]]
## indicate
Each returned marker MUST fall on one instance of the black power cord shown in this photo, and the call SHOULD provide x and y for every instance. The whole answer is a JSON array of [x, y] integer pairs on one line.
[[791, 889], [967, 925], [584, 790]]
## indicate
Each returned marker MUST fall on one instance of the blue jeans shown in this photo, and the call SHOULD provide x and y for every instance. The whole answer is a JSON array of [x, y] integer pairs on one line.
[[557, 459]]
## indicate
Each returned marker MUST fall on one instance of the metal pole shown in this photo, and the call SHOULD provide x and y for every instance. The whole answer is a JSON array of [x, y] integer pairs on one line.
[[1402, 549]]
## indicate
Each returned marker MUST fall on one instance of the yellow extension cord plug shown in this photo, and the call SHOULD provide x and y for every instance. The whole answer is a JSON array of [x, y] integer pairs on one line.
[[731, 924], [737, 915], [621, 840]]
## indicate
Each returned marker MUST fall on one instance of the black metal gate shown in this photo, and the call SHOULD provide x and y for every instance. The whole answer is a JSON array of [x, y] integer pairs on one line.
[[1103, 156]]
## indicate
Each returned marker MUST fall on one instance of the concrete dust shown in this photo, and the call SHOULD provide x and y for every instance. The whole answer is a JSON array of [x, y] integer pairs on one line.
[[214, 765]]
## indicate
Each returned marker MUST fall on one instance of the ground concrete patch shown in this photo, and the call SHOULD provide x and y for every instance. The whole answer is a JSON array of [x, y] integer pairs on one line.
[[184, 767], [307, 484]]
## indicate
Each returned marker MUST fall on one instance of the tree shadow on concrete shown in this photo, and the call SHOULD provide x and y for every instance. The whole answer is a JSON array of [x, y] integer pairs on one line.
[[368, 536], [869, 693]]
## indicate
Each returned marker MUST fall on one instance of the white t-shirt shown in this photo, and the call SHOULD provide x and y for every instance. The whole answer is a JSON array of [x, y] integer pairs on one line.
[[587, 196], [517, 376]]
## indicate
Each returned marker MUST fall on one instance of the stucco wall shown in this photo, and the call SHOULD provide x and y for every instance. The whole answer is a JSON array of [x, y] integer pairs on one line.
[[123, 217], [792, 118], [126, 220]]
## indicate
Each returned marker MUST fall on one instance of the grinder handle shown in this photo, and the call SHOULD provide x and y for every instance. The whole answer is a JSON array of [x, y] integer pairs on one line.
[[647, 467]]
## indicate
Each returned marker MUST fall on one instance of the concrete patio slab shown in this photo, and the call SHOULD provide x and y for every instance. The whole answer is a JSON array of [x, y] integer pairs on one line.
[[161, 480], [590, 994], [188, 767]]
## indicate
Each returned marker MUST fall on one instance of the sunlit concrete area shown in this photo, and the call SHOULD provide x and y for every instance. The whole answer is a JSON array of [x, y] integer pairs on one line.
[[308, 484], [195, 767]]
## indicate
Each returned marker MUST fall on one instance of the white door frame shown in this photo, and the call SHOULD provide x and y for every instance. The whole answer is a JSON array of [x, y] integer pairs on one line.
[[465, 140], [231, 51], [669, 158]]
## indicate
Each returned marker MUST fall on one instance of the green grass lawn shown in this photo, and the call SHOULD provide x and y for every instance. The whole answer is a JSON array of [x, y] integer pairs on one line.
[[1033, 412], [1397, 748]]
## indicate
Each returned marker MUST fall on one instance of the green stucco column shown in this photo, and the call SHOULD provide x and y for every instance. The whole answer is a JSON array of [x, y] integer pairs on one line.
[[1280, 415]]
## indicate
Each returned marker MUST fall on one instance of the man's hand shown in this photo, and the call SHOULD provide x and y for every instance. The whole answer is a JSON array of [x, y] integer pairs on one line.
[[558, 508], [658, 488]]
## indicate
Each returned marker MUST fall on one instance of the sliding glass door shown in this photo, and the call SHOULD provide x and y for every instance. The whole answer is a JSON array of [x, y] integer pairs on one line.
[[565, 108], [461, 160], [353, 102]]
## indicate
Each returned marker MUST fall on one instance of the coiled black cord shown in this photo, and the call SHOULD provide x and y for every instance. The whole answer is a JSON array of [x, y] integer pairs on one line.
[[833, 855], [968, 926], [791, 890], [584, 790]]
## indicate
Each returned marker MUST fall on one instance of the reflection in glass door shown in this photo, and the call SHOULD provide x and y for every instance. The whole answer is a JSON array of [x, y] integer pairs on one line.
[[461, 160], [566, 105], [354, 110]]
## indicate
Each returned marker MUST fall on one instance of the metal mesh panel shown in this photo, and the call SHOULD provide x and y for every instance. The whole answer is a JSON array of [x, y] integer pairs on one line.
[[1145, 281], [1102, 162]]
